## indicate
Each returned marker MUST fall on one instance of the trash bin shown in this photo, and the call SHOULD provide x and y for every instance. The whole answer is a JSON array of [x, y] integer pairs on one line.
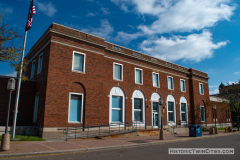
[[195, 131]]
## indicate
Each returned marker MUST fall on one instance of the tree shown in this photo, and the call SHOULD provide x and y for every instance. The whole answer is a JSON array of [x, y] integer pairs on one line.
[[10, 52], [230, 95]]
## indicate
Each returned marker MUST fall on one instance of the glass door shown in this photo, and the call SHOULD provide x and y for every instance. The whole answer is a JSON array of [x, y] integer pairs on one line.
[[155, 115]]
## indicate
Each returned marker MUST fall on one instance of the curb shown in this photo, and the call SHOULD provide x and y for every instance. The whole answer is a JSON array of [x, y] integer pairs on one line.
[[108, 147]]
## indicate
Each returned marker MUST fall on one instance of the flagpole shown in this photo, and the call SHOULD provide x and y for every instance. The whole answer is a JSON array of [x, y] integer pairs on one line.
[[18, 88], [19, 80]]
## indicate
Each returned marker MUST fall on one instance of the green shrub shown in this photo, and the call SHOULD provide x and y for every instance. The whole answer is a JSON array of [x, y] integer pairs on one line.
[[26, 138]]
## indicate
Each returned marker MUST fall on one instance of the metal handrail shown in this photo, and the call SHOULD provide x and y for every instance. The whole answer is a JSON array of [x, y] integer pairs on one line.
[[107, 129]]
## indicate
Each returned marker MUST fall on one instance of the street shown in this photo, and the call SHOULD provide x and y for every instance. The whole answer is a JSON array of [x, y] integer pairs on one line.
[[159, 151]]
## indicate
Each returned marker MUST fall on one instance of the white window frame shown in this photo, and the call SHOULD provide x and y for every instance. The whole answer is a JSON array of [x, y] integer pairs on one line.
[[183, 112], [184, 85], [170, 98], [35, 109], [155, 98], [84, 63], [202, 89], [81, 120], [136, 77], [33, 69], [116, 91], [153, 79], [172, 83], [138, 94], [114, 63], [39, 63], [183, 100], [204, 113]]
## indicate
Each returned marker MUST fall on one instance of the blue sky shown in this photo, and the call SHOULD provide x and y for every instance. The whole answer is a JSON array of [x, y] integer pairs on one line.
[[200, 34]]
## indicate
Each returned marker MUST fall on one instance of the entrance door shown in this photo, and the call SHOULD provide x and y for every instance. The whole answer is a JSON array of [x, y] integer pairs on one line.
[[155, 120], [155, 114]]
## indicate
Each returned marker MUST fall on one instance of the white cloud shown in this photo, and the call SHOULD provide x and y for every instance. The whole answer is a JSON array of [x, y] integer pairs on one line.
[[213, 86], [236, 72], [231, 82], [14, 74], [126, 37], [90, 14], [48, 8], [216, 91], [105, 10], [194, 47], [179, 16], [104, 31], [176, 16], [7, 10]]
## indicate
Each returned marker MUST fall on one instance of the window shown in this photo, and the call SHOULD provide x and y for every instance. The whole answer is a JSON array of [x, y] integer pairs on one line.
[[33, 69], [155, 79], [202, 113], [116, 109], [138, 76], [214, 116], [170, 82], [117, 71], [75, 107], [35, 110], [200, 88], [155, 106], [137, 54], [117, 105], [181, 68], [171, 111], [183, 112], [182, 84], [138, 106], [79, 62], [40, 60]]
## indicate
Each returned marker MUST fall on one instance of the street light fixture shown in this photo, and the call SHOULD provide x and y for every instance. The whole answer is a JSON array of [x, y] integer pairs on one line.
[[215, 110], [5, 137], [160, 106]]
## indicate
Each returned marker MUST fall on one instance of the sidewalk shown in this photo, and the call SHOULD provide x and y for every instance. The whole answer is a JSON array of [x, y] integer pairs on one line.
[[47, 147]]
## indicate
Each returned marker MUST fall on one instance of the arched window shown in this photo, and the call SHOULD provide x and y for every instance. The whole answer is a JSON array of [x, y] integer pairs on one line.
[[117, 105], [155, 109], [183, 110], [138, 106], [171, 110]]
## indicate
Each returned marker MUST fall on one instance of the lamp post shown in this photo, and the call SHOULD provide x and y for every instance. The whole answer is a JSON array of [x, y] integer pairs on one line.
[[5, 137], [160, 109], [214, 110]]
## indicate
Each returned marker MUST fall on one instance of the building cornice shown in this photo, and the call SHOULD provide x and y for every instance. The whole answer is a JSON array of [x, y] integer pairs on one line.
[[146, 60], [55, 32]]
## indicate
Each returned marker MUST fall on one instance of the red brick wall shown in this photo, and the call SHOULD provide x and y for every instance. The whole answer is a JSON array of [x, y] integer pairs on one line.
[[221, 112], [41, 80], [26, 103], [97, 82]]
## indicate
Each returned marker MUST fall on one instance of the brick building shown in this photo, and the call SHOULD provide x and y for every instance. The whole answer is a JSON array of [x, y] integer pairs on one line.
[[81, 79]]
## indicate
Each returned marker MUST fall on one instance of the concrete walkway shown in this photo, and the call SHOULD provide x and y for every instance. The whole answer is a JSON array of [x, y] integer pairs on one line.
[[50, 146]]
